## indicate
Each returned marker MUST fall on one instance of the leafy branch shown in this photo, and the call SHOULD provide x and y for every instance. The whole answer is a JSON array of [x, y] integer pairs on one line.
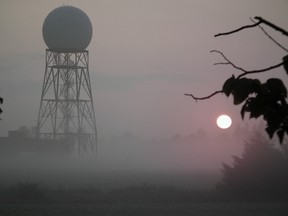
[[245, 72], [260, 99]]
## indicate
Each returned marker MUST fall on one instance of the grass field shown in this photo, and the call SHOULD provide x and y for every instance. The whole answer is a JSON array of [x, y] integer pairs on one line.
[[30, 198], [143, 209]]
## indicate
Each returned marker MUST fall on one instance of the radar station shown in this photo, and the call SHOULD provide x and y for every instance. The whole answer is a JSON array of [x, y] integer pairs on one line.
[[66, 109]]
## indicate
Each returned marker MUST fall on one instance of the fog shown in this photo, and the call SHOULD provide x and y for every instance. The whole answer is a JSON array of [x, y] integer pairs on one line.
[[193, 161], [144, 56]]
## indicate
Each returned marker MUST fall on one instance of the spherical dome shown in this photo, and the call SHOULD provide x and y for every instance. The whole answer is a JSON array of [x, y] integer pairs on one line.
[[67, 28]]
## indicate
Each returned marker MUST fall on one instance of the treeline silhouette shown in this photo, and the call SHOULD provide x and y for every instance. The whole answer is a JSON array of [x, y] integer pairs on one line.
[[261, 173]]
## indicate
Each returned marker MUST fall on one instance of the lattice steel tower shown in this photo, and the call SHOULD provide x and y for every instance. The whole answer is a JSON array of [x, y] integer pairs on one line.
[[66, 108]]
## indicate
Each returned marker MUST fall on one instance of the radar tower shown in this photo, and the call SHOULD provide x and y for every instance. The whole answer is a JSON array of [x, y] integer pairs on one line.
[[66, 109]]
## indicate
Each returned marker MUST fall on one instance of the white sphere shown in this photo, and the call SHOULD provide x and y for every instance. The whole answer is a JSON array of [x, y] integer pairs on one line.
[[67, 28]]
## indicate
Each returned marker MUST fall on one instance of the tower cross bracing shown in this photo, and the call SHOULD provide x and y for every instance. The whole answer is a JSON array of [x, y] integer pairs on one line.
[[66, 108]]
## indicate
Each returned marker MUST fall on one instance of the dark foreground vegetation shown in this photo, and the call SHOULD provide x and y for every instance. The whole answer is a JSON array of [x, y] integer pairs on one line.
[[261, 173], [30, 198], [30, 192]]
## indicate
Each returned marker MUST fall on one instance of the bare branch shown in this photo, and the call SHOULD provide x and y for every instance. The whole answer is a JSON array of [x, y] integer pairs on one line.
[[239, 29], [227, 61], [260, 20], [270, 37], [277, 28], [245, 72], [260, 70], [206, 97]]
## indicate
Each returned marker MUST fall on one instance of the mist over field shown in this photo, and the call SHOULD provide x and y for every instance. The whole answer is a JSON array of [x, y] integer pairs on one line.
[[123, 160]]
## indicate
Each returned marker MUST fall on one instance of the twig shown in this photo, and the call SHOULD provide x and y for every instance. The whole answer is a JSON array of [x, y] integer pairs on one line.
[[270, 37], [206, 97], [239, 29], [227, 61], [245, 72]]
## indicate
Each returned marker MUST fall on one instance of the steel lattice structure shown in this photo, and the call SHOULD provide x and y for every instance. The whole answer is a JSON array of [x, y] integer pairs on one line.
[[66, 108]]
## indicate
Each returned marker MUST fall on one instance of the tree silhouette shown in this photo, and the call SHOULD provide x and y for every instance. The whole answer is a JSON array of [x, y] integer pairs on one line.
[[258, 174], [268, 99]]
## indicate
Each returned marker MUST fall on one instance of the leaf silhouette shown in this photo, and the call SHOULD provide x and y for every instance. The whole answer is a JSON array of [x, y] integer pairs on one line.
[[228, 85], [285, 63], [240, 90], [280, 134], [276, 87]]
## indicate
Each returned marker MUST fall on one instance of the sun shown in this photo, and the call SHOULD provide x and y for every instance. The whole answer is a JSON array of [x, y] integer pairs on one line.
[[224, 121]]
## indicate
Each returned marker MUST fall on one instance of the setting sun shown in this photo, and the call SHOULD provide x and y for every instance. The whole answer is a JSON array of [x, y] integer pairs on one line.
[[224, 121]]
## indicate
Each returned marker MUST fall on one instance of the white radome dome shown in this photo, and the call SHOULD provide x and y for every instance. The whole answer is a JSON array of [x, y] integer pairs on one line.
[[67, 28]]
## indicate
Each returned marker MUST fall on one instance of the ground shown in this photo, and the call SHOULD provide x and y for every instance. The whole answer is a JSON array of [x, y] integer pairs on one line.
[[151, 209]]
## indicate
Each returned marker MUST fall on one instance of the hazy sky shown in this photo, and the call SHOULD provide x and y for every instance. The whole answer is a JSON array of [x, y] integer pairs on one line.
[[144, 55]]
